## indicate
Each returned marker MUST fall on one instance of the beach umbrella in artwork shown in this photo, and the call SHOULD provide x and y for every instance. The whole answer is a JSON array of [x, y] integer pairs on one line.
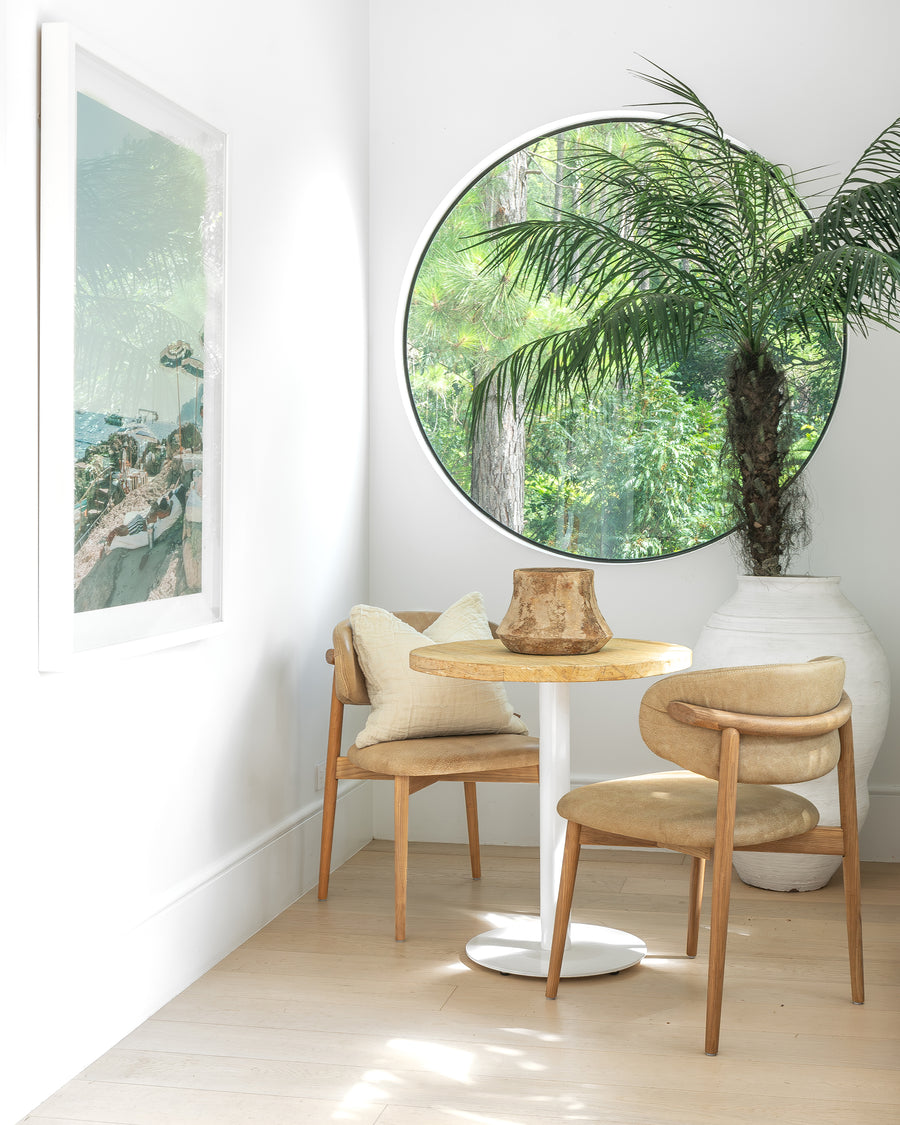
[[193, 366], [174, 356]]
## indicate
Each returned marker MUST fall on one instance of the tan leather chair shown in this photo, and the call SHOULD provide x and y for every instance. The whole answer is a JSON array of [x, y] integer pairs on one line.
[[412, 764], [740, 732]]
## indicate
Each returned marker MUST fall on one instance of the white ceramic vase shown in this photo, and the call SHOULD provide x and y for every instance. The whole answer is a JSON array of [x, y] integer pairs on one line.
[[778, 620]]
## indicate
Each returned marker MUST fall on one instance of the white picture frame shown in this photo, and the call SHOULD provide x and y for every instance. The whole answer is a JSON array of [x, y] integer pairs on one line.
[[115, 286]]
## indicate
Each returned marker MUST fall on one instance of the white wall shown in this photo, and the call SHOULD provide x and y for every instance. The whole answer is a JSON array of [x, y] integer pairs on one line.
[[157, 812], [802, 81]]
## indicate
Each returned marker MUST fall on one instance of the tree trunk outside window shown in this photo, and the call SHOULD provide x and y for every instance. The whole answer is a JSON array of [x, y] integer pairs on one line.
[[498, 451]]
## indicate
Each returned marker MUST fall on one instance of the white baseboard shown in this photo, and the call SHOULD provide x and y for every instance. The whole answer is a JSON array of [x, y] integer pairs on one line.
[[122, 983]]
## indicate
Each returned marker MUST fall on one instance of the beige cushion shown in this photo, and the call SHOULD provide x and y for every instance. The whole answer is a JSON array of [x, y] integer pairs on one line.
[[464, 753], [408, 704], [349, 681], [761, 689], [680, 809]]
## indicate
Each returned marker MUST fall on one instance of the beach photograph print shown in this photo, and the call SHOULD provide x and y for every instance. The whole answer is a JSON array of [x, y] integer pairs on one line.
[[146, 239]]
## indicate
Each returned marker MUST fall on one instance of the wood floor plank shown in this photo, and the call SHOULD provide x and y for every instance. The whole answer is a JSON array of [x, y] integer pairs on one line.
[[470, 1080], [623, 1008], [334, 993], [373, 1042], [492, 1047], [112, 1103], [644, 987], [673, 1112]]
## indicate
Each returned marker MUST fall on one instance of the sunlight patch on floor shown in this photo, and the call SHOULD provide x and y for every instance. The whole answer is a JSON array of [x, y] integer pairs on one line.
[[449, 1062], [369, 1091], [452, 967]]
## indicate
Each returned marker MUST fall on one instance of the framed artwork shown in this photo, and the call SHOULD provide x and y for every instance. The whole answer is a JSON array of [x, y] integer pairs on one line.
[[132, 266]]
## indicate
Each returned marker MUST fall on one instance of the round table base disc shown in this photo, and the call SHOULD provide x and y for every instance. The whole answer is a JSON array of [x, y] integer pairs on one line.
[[592, 950]]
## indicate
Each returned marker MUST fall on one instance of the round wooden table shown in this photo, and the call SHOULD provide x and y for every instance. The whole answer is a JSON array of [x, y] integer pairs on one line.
[[523, 946]]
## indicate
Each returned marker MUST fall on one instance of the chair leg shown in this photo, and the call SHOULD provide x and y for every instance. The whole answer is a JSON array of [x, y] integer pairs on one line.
[[571, 853], [329, 803], [698, 870], [852, 891], [724, 849], [401, 851], [472, 825]]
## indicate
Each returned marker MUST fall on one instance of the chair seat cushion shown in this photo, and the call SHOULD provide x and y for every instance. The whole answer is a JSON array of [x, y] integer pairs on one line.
[[410, 704], [679, 808], [423, 757]]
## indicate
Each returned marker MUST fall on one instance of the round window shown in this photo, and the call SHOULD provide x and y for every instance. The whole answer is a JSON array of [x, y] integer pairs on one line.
[[520, 333]]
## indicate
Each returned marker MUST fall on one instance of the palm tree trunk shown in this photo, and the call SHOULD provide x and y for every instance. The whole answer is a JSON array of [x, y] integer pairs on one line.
[[759, 441]]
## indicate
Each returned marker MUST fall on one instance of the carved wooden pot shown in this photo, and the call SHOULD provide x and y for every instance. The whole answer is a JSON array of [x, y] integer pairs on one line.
[[554, 612]]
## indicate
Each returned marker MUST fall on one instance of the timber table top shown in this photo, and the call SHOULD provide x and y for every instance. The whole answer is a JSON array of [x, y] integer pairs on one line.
[[619, 659]]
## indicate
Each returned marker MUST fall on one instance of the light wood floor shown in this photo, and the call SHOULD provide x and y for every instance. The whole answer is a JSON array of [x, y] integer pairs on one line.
[[323, 1017]]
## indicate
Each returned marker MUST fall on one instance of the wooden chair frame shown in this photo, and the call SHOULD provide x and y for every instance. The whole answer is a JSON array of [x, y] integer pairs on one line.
[[338, 766], [842, 840]]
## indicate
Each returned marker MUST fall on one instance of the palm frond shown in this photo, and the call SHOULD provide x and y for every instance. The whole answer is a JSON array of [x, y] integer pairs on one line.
[[869, 213], [694, 112], [857, 284], [615, 345], [533, 252], [880, 160]]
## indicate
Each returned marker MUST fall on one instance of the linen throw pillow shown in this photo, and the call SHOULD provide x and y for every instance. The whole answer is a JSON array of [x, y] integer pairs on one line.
[[408, 704]]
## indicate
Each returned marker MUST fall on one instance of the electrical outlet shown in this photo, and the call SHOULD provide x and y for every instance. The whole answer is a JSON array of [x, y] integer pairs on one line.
[[320, 776]]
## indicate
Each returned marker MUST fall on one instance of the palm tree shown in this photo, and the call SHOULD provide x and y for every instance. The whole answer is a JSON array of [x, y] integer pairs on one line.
[[719, 245]]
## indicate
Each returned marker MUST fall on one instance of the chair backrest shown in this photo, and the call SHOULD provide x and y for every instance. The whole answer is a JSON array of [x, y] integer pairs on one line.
[[349, 681], [791, 690]]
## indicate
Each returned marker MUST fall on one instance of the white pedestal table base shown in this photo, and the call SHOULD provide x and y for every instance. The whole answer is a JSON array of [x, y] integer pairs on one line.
[[591, 950]]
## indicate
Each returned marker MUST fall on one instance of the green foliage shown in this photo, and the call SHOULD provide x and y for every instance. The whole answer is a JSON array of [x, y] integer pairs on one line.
[[442, 399], [633, 475]]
